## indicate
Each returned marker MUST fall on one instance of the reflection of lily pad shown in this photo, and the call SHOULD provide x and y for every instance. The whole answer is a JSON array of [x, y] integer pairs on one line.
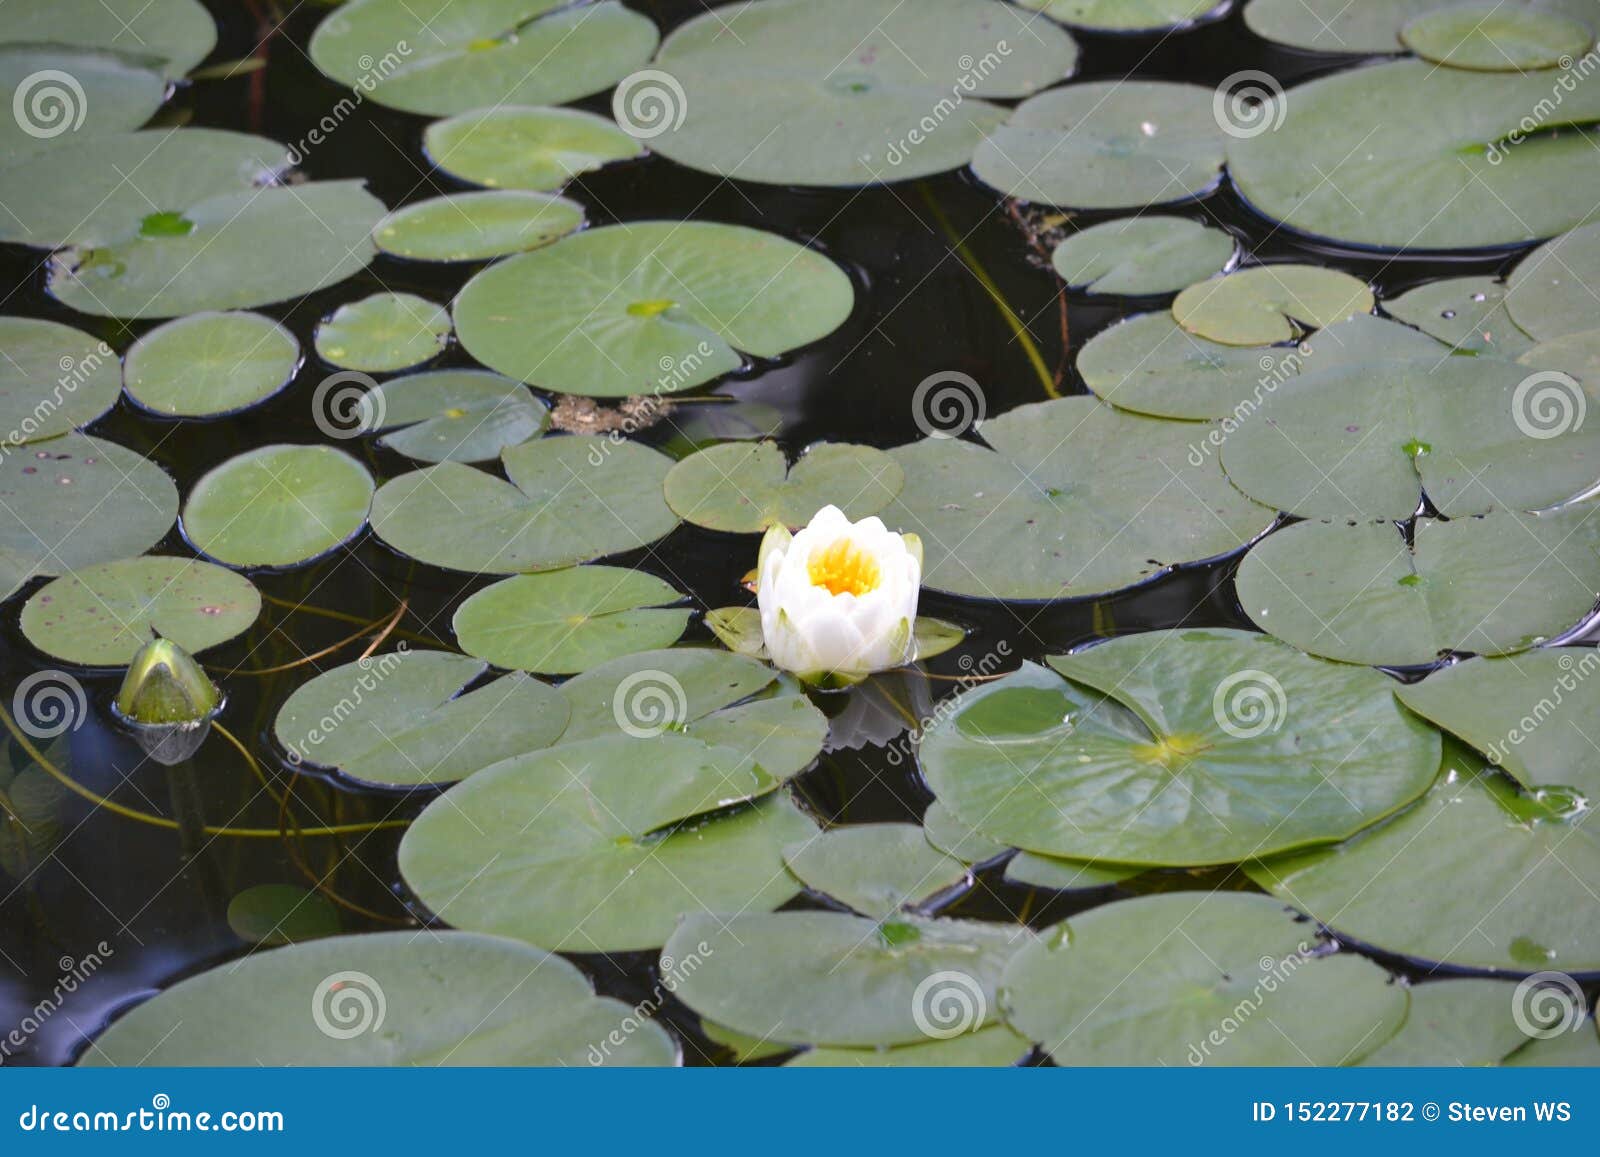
[[747, 487], [1451, 1022], [570, 500], [649, 308], [594, 846], [453, 415], [1223, 979], [1549, 293], [516, 147], [444, 56], [1492, 585], [994, 1046], [1179, 748], [387, 331], [842, 92], [565, 621], [875, 869], [1270, 303], [385, 998], [1142, 255], [400, 718], [210, 364], [104, 92], [1467, 312], [1061, 508], [100, 616], [476, 226], [179, 33], [1496, 37], [53, 378], [1106, 145], [274, 914], [278, 505], [1125, 15]]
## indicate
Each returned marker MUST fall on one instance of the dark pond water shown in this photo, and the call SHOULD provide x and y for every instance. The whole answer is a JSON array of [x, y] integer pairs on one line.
[[151, 902]]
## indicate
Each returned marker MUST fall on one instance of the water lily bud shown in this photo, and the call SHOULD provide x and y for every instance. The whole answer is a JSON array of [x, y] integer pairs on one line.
[[839, 598], [164, 685]]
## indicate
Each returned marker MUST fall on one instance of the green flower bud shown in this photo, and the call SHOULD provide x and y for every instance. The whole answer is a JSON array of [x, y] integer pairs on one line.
[[165, 686]]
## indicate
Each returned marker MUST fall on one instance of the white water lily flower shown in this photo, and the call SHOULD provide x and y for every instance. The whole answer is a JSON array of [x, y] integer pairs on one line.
[[839, 598]]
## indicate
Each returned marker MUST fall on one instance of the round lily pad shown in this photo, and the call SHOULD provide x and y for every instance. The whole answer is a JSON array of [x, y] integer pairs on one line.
[[518, 147], [601, 846], [1222, 979], [649, 308], [389, 999], [1107, 145], [1477, 873], [840, 92], [1141, 256], [994, 1046], [1060, 875], [177, 33], [1467, 312], [1496, 37], [1270, 303], [1061, 507], [274, 914], [1179, 748], [1474, 179], [62, 94], [569, 500], [453, 415], [76, 501], [99, 616], [1151, 364], [210, 364], [956, 837], [562, 622], [404, 719], [1361, 595], [1548, 292], [53, 378], [387, 331], [1465, 1022], [1126, 15], [476, 226], [876, 869], [745, 487], [278, 506], [1342, 26], [833, 979], [445, 56]]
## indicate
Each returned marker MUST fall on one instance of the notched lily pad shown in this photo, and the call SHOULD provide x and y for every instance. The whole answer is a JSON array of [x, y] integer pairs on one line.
[[178, 33], [53, 379], [476, 226], [387, 331], [876, 869], [1467, 312], [453, 415], [210, 364], [1496, 37], [519, 147], [1141, 256], [747, 487], [1548, 294], [1270, 303]]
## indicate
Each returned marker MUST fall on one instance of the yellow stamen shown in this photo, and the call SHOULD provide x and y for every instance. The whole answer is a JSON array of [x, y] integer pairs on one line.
[[843, 567]]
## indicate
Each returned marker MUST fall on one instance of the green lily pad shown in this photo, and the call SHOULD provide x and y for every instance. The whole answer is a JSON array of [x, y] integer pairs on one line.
[[1140, 256], [99, 616], [1577, 355], [438, 57], [739, 629], [744, 488], [274, 914], [210, 364], [401, 719], [1368, 440], [570, 500], [1061, 508], [476, 226], [178, 33], [1270, 303], [1473, 179], [1576, 1048], [53, 378], [77, 501], [840, 92], [595, 846], [517, 147], [649, 308], [1343, 26], [278, 506], [1361, 339], [1120, 144], [1476, 874], [1125, 15], [1179, 748], [1467, 312], [453, 415], [385, 998], [1496, 37], [995, 1046], [954, 836], [1223, 979], [1465, 1022], [1152, 365], [1548, 293], [1060, 875], [387, 331], [833, 979], [875, 869], [63, 95], [562, 622], [1359, 594]]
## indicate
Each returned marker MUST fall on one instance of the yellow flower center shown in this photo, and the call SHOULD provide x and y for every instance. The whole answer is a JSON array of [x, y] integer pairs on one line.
[[843, 568]]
